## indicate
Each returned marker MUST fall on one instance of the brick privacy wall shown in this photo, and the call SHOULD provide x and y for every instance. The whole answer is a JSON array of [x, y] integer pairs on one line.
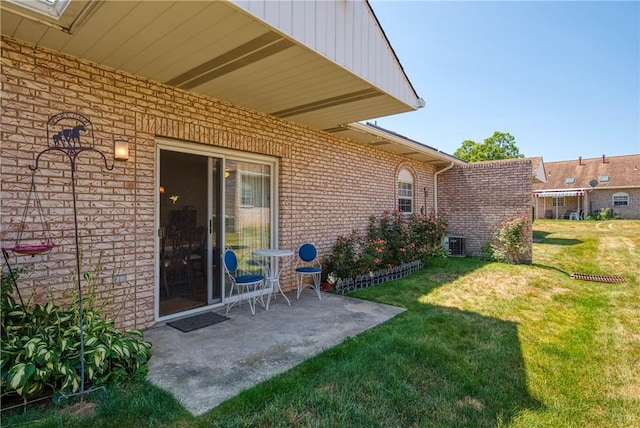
[[328, 186], [477, 197]]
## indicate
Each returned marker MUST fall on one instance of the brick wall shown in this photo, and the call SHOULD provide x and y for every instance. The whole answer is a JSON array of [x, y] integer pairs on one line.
[[327, 185], [603, 198], [477, 197]]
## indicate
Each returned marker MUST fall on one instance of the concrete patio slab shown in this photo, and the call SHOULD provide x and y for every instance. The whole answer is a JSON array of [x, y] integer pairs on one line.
[[205, 367]]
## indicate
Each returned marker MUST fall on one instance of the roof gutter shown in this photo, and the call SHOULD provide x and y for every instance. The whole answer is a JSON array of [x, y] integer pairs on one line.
[[435, 187]]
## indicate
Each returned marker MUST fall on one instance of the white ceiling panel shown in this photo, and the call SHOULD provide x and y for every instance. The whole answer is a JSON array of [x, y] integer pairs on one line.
[[220, 50], [9, 22], [128, 27], [169, 48], [151, 38], [213, 48], [91, 31], [28, 29]]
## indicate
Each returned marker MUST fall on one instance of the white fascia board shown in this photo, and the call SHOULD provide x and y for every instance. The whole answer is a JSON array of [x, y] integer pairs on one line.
[[413, 145]]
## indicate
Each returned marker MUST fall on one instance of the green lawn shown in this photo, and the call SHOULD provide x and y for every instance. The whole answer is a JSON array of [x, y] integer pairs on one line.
[[480, 345]]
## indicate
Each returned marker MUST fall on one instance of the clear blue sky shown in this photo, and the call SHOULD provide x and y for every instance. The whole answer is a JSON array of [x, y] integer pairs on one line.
[[562, 77]]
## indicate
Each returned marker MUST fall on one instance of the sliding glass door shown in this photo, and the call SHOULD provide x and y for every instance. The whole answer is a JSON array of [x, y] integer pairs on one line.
[[208, 202], [185, 201], [247, 189]]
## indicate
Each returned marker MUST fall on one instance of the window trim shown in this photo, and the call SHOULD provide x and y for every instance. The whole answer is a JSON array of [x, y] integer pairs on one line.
[[622, 197], [405, 177]]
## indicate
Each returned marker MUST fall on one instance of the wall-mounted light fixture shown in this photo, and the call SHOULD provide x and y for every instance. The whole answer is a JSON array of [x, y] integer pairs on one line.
[[227, 174], [161, 189], [121, 150]]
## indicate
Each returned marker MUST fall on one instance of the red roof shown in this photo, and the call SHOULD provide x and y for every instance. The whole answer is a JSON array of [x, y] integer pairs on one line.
[[608, 172]]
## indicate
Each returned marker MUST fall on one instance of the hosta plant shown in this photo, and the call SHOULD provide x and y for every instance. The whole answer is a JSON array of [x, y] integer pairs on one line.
[[41, 347]]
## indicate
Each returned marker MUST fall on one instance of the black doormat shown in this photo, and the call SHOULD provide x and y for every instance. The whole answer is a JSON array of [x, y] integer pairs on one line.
[[197, 321]]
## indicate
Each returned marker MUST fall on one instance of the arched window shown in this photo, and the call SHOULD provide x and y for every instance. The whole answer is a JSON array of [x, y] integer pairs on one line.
[[405, 191], [620, 199]]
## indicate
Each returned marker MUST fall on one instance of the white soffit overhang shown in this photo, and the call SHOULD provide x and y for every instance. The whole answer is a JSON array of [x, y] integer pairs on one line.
[[225, 51], [383, 139]]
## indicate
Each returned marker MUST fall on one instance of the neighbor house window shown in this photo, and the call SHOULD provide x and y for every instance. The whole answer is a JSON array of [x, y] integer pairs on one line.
[[255, 190], [604, 178], [620, 200], [405, 191], [558, 202]]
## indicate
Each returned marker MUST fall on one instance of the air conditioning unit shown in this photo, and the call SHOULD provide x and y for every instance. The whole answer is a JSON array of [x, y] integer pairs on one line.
[[455, 245]]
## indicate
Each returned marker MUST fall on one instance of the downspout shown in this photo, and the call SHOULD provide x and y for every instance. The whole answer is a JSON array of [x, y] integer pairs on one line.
[[435, 187]]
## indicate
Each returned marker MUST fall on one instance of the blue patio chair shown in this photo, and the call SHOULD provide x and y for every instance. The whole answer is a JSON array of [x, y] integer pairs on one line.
[[308, 265], [242, 283]]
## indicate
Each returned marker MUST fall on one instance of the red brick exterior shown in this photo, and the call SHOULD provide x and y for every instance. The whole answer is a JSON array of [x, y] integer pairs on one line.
[[477, 197], [327, 185]]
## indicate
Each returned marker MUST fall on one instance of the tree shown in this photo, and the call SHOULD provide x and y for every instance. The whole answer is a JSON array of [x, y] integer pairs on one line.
[[500, 145]]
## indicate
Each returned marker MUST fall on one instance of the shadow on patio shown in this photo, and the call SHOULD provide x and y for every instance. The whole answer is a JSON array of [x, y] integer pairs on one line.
[[205, 367]]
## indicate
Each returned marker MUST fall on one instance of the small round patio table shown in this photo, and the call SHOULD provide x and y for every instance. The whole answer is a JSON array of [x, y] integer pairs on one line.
[[273, 268]]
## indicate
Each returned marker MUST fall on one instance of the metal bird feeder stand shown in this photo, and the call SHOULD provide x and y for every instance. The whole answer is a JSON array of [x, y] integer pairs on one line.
[[70, 134], [34, 242]]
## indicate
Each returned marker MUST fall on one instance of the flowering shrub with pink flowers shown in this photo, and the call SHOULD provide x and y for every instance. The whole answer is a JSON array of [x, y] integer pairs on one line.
[[391, 240], [510, 243]]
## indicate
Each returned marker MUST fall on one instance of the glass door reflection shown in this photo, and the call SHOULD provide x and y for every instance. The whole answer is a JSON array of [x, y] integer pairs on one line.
[[247, 225]]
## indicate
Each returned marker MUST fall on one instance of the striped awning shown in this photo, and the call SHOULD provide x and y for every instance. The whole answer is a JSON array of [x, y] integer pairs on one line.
[[559, 194]]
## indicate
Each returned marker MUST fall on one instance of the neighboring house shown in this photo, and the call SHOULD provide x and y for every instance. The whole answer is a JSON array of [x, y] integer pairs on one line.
[[243, 126], [575, 188]]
